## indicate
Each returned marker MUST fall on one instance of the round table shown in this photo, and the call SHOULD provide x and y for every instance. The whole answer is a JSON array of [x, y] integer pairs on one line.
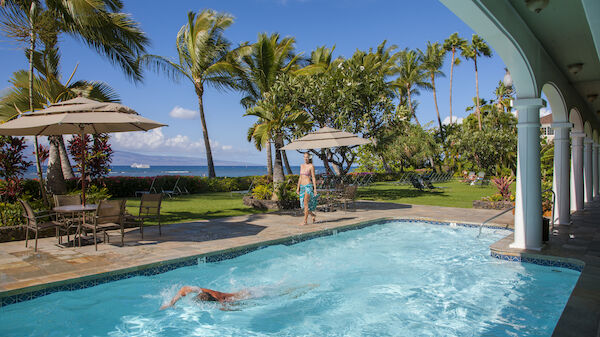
[[73, 209]]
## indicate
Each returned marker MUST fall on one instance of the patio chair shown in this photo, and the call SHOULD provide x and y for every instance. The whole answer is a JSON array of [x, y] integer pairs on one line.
[[149, 209], [469, 178], [109, 215], [245, 192], [348, 196], [37, 222], [150, 190], [67, 222]]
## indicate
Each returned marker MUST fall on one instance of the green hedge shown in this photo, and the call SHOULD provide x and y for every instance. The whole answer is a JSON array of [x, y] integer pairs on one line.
[[121, 187]]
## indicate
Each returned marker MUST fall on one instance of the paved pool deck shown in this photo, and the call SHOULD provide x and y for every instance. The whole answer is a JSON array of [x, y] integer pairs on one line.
[[22, 270]]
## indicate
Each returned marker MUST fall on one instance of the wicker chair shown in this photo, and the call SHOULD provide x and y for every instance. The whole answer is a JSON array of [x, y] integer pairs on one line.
[[109, 215], [348, 196], [36, 223], [149, 209], [67, 222]]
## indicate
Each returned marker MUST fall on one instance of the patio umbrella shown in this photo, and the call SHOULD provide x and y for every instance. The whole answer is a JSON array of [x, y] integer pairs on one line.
[[324, 138], [78, 116]]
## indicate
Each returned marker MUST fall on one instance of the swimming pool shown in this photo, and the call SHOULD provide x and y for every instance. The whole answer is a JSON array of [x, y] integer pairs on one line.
[[396, 279]]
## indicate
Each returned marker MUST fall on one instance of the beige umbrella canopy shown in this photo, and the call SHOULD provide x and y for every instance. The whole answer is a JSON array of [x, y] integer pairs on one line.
[[78, 116], [324, 138]]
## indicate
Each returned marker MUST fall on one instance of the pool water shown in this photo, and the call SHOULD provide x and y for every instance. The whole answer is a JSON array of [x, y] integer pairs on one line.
[[396, 279]]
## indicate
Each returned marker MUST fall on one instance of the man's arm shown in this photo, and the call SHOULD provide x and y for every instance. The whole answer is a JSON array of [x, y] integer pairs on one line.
[[181, 293]]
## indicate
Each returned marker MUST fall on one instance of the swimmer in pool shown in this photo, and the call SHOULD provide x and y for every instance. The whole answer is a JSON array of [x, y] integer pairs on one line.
[[225, 298], [208, 295]]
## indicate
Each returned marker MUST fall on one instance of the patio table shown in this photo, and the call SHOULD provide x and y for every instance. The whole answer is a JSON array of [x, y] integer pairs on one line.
[[73, 210]]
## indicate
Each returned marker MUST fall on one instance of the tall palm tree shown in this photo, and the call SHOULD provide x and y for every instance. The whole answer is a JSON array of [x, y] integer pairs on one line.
[[472, 51], [272, 121], [269, 57], [48, 89], [99, 24], [453, 43], [205, 59], [411, 76], [433, 60]]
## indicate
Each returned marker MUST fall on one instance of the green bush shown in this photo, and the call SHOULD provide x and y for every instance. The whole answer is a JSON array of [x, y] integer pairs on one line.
[[262, 192], [11, 214]]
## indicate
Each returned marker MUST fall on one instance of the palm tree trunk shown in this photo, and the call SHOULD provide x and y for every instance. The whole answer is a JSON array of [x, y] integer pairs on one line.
[[412, 113], [288, 168], [56, 181], [325, 162], [269, 160], [477, 93], [38, 163], [65, 163], [209, 159], [278, 175], [437, 110], [451, 73]]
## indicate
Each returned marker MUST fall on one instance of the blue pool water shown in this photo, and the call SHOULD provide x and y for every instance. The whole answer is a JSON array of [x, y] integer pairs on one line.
[[397, 279]]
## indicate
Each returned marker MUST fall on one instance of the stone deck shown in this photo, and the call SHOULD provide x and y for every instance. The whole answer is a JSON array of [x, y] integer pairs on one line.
[[23, 270]]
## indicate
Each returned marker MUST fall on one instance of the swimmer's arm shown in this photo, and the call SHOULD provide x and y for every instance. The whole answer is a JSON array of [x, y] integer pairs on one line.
[[181, 293]]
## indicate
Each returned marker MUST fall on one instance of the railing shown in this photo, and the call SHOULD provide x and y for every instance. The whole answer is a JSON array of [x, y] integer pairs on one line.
[[509, 209]]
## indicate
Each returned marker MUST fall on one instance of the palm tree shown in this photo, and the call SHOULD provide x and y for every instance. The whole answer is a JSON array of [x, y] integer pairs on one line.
[[48, 89], [453, 43], [433, 60], [205, 58], [99, 24], [272, 121], [476, 48], [411, 76], [269, 57]]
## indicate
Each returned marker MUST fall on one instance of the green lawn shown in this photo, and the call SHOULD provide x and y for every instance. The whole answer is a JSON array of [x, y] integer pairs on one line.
[[451, 194], [217, 205], [197, 207]]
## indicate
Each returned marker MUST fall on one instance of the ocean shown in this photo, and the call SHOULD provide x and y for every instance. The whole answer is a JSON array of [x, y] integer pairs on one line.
[[221, 171]]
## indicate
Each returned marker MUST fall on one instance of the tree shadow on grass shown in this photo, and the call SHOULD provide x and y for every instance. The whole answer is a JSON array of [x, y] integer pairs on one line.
[[397, 193]]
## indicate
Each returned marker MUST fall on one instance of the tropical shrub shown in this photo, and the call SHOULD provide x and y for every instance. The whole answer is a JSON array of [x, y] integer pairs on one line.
[[262, 192], [10, 214], [12, 166], [503, 186]]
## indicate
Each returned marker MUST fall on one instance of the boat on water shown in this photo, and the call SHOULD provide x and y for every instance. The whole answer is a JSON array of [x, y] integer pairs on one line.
[[140, 166]]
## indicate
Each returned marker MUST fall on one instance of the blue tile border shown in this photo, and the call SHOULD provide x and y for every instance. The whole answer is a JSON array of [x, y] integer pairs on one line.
[[542, 261], [165, 266]]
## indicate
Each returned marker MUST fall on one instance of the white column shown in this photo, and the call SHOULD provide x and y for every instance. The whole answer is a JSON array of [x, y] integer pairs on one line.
[[587, 170], [561, 173], [528, 202], [577, 171], [595, 169]]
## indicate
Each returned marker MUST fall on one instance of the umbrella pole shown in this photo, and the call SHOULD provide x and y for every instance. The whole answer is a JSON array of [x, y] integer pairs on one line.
[[83, 151]]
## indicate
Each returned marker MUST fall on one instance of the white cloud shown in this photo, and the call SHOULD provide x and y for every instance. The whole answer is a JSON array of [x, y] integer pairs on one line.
[[182, 113], [455, 120], [545, 111], [226, 147]]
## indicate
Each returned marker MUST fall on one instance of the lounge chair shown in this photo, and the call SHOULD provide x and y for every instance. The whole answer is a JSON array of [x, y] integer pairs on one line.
[[149, 210], [417, 182], [109, 215], [37, 222], [470, 177], [479, 179], [175, 190], [150, 190], [245, 192]]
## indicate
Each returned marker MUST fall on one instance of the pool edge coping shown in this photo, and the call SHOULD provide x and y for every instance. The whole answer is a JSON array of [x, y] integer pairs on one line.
[[31, 292]]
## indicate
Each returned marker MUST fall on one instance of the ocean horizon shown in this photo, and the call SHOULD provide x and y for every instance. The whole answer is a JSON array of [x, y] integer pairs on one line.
[[200, 171]]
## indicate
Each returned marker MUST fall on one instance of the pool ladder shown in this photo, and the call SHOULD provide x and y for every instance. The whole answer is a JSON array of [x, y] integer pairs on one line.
[[511, 208]]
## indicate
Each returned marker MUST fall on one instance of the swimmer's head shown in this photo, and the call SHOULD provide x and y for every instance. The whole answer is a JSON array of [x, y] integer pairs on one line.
[[205, 297]]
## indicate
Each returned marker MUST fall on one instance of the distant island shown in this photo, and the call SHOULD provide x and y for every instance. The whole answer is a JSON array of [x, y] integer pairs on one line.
[[124, 158]]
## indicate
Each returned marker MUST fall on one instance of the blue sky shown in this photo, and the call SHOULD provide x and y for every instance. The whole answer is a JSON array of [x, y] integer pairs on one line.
[[347, 24]]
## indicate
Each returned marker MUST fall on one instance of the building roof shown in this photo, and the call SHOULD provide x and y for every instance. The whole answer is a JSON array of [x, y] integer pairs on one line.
[[546, 119]]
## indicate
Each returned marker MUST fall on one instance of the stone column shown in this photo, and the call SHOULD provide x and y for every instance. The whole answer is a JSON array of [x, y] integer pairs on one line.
[[528, 202], [561, 173], [588, 195], [595, 170], [577, 171]]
